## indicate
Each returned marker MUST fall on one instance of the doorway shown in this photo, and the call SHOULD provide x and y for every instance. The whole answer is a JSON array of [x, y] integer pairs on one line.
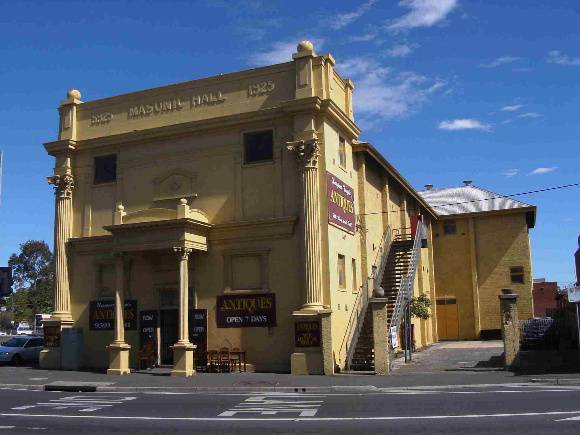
[[169, 334], [447, 319]]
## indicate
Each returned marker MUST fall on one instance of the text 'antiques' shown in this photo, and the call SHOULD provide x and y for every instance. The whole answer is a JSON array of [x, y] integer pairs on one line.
[[237, 311], [340, 204]]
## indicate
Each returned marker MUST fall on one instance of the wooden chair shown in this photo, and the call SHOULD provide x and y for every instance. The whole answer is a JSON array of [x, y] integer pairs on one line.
[[146, 355], [213, 360], [225, 359], [236, 358]]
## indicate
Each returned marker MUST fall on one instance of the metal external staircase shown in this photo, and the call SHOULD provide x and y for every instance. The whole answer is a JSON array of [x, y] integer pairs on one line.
[[394, 276]]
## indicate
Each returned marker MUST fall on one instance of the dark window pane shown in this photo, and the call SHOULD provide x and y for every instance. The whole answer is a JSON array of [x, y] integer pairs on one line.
[[258, 146], [449, 227], [105, 169], [517, 275]]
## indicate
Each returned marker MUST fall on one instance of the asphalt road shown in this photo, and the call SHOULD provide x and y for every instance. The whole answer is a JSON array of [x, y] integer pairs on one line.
[[530, 409]]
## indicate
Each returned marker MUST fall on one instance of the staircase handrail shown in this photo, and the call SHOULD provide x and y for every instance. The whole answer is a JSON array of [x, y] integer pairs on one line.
[[355, 323], [381, 258], [405, 290], [359, 308]]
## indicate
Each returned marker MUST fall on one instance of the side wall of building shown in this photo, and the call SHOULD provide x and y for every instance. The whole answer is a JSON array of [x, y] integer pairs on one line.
[[473, 265], [502, 242]]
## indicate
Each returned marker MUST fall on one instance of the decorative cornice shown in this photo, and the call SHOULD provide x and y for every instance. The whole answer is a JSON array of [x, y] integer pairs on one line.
[[307, 152], [60, 147]]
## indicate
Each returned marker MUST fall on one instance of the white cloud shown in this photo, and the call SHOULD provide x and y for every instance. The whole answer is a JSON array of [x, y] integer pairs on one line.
[[279, 52], [369, 36], [464, 124], [401, 50], [540, 171], [341, 20], [557, 57], [522, 69], [503, 60], [510, 172], [513, 108], [383, 93], [423, 13], [530, 115]]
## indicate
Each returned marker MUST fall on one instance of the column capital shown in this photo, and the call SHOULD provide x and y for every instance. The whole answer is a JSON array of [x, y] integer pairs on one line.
[[182, 251], [63, 184], [307, 152]]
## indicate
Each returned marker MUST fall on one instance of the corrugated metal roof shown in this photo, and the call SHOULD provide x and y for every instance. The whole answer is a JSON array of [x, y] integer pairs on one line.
[[468, 199]]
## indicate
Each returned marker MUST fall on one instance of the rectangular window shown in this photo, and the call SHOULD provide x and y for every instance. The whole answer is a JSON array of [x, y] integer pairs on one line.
[[105, 169], [341, 271], [517, 275], [354, 282], [342, 152], [449, 228], [259, 146]]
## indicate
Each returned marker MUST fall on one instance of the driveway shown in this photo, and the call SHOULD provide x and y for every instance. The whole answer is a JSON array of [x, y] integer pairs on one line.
[[453, 356]]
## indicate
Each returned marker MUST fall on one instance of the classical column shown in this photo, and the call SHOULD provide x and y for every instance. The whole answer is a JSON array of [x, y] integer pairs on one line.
[[63, 187], [183, 294], [118, 349], [119, 298], [183, 349], [307, 153]]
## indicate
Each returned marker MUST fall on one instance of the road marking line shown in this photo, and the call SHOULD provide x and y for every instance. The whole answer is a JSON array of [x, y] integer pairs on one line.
[[417, 417], [7, 427], [570, 419]]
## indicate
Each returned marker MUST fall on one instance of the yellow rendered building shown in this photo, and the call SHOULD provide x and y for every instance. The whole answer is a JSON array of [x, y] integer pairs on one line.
[[481, 245], [239, 214]]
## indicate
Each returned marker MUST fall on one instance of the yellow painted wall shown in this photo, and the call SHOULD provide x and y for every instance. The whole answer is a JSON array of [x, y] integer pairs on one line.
[[501, 241]]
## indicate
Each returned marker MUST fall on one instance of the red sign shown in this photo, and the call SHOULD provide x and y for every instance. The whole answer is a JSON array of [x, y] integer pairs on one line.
[[340, 204]]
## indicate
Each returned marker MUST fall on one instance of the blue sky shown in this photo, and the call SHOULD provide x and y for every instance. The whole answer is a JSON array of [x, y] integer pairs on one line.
[[448, 90]]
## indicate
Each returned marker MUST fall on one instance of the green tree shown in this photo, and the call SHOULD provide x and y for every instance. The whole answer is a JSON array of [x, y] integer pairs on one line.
[[420, 307], [33, 276]]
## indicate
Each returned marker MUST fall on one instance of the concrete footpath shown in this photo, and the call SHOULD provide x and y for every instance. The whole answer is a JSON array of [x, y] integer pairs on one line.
[[444, 364]]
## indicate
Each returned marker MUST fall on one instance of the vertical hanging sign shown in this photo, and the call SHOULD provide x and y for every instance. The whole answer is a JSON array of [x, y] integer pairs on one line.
[[340, 204]]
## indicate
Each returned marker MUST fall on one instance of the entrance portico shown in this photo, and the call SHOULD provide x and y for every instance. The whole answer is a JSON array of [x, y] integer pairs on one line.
[[183, 233]]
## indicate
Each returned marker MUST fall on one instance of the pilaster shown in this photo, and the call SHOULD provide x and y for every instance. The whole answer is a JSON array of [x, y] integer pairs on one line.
[[380, 334], [510, 328], [307, 153]]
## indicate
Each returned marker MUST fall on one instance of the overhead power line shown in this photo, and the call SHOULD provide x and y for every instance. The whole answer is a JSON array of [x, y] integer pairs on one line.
[[546, 189]]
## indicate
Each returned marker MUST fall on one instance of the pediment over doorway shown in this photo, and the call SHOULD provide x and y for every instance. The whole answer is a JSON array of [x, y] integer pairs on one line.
[[174, 184]]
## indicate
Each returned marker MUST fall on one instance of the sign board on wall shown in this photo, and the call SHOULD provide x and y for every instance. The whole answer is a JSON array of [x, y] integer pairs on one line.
[[198, 336], [102, 315], [340, 204], [246, 310], [307, 333], [574, 294], [147, 326], [51, 336]]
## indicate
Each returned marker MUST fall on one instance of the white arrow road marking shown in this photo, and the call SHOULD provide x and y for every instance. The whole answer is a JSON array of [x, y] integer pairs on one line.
[[80, 403], [269, 404]]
